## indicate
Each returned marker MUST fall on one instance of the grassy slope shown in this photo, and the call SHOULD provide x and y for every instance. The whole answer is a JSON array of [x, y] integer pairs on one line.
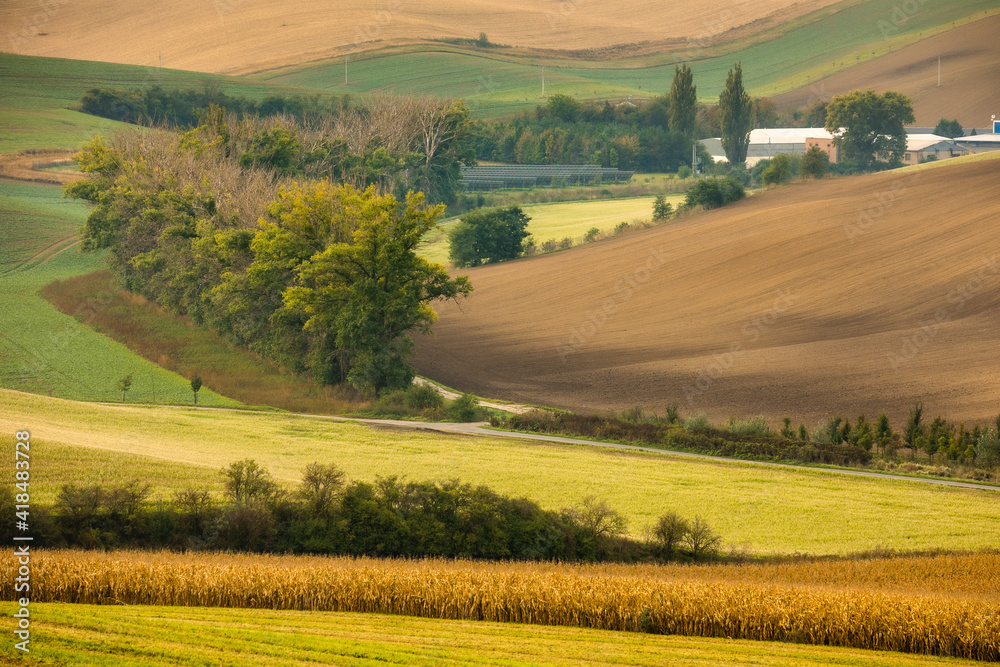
[[782, 59], [43, 350], [557, 221], [967, 56], [851, 341], [182, 636], [763, 508], [37, 94]]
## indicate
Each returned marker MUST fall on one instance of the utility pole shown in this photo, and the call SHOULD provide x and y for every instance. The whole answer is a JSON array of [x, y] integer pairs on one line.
[[694, 159]]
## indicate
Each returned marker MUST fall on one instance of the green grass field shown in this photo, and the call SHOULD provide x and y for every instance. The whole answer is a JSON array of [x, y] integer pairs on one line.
[[765, 509], [37, 94], [782, 59], [186, 636], [43, 350], [565, 219]]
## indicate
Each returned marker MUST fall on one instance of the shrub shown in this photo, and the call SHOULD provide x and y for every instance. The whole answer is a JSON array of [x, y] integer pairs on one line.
[[814, 163], [621, 228], [698, 423], [550, 246], [684, 171], [669, 533], [662, 209], [779, 171], [752, 426], [700, 540], [591, 234], [423, 397], [246, 482], [566, 243], [714, 192], [465, 408]]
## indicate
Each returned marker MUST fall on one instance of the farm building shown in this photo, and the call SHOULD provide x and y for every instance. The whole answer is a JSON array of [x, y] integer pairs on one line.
[[924, 147], [980, 143], [765, 144]]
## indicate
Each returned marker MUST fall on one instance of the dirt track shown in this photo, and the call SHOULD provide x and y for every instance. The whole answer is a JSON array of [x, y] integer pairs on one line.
[[845, 296], [970, 86]]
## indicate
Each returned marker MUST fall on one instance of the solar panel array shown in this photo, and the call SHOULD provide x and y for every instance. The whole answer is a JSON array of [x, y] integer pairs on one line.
[[498, 177]]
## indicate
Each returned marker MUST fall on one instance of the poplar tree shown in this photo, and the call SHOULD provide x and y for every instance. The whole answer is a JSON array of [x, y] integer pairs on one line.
[[737, 117], [683, 102]]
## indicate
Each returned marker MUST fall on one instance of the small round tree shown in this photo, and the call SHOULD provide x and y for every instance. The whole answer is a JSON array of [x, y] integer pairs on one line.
[[124, 384], [195, 386], [814, 163]]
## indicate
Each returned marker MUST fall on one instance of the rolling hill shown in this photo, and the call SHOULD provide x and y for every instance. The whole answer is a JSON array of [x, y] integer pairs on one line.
[[234, 36], [842, 296], [968, 90]]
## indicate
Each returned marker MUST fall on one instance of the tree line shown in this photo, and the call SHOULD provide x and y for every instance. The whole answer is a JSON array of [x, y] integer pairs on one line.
[[215, 223], [183, 108], [327, 514]]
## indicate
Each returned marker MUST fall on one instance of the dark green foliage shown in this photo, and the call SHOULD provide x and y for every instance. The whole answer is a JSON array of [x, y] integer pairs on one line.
[[275, 149], [737, 117], [591, 235], [196, 387], [563, 107], [487, 236], [423, 397], [124, 384], [465, 408], [816, 114], [873, 135], [683, 101], [566, 131], [669, 533], [914, 429], [949, 128], [181, 108], [714, 192], [814, 163], [705, 440], [662, 208], [246, 482], [778, 171]]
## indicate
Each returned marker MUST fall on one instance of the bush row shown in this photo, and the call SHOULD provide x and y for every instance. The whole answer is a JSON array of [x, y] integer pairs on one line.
[[328, 515], [668, 435]]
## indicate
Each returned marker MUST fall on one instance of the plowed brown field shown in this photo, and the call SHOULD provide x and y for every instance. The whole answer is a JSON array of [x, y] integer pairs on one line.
[[970, 83], [843, 296], [235, 36]]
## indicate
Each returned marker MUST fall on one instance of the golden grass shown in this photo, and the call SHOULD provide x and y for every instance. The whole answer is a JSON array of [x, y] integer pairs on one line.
[[764, 509], [801, 602], [196, 636]]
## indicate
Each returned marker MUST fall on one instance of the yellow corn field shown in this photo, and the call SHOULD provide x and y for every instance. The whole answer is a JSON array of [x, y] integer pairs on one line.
[[939, 605]]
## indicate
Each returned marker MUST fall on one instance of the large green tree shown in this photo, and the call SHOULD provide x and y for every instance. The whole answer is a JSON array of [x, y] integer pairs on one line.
[[737, 117], [869, 128], [487, 236], [372, 290], [683, 102]]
